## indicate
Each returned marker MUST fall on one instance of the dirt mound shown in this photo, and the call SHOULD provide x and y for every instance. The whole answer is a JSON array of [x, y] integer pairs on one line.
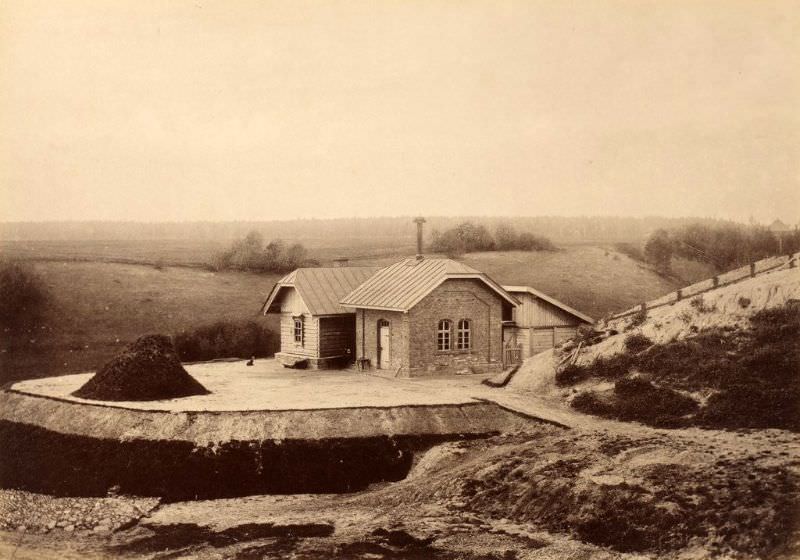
[[147, 370], [632, 494]]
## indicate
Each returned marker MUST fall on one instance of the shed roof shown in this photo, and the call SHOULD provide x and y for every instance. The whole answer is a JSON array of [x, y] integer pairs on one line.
[[321, 288], [401, 286], [549, 299]]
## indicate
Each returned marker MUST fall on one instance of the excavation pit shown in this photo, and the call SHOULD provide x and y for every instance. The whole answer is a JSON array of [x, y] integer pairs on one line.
[[336, 432]]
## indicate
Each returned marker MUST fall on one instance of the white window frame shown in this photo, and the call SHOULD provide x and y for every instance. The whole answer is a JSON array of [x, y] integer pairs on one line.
[[444, 338], [464, 335], [299, 332]]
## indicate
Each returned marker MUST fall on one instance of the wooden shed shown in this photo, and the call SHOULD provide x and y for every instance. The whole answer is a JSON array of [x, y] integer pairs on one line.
[[540, 322], [316, 331]]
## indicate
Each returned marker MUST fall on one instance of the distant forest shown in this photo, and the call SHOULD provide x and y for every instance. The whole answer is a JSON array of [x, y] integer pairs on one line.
[[389, 232]]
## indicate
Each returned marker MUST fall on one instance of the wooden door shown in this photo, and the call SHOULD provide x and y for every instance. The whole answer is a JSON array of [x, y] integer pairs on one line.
[[383, 345]]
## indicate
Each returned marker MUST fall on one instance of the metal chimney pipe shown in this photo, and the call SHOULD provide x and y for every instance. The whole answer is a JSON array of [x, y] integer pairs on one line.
[[419, 221]]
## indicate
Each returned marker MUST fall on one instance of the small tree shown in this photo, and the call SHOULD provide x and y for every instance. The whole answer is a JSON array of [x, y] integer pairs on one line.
[[505, 237], [658, 251], [22, 296]]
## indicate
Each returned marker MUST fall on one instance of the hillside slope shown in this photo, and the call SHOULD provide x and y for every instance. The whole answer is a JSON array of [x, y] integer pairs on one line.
[[732, 348], [96, 309]]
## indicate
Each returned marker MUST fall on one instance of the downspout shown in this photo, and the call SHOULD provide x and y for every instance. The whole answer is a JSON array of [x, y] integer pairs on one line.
[[363, 334]]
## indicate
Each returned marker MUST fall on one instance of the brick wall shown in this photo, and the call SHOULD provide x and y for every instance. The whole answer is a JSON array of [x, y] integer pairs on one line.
[[367, 333], [454, 300]]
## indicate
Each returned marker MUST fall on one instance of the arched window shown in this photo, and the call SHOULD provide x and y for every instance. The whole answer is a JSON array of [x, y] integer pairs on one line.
[[298, 330], [464, 335], [443, 335]]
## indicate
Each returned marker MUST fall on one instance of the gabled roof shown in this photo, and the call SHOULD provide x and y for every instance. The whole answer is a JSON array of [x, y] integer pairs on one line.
[[401, 286], [548, 299], [320, 288]]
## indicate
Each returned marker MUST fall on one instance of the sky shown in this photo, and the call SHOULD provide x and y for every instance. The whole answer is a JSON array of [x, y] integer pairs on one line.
[[178, 110]]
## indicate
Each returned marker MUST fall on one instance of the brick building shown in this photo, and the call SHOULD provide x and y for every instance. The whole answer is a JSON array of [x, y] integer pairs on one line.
[[420, 316], [430, 316]]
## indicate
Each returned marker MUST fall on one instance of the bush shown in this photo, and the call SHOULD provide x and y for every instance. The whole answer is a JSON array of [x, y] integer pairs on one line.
[[250, 254], [23, 296], [701, 306], [225, 339], [631, 250], [589, 403], [637, 319], [658, 251], [571, 374], [637, 342]]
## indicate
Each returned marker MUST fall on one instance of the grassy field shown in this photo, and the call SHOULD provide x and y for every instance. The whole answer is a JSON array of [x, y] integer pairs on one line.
[[99, 303], [97, 308], [186, 253]]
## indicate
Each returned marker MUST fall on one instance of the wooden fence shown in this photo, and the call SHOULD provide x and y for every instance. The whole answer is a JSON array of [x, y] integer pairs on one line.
[[752, 270], [512, 355]]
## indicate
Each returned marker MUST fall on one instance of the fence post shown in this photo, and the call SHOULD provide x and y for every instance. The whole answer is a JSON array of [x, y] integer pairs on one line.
[[791, 261], [679, 293], [716, 281], [752, 270]]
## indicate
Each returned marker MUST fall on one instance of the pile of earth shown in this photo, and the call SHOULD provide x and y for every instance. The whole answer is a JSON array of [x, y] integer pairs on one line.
[[149, 369], [648, 494]]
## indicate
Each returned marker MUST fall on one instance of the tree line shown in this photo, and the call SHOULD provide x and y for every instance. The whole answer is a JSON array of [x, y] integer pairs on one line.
[[725, 246], [468, 237]]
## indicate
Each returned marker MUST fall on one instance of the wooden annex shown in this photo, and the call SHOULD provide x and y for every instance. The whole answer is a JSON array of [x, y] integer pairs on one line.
[[316, 331], [540, 322]]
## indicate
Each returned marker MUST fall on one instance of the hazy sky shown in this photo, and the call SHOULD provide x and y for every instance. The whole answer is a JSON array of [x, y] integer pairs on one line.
[[196, 110]]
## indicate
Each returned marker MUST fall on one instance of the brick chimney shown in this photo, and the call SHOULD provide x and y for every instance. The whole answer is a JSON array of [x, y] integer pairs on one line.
[[419, 221]]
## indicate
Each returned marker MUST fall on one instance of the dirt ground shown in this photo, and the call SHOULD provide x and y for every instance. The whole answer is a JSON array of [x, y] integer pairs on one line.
[[536, 495], [269, 386]]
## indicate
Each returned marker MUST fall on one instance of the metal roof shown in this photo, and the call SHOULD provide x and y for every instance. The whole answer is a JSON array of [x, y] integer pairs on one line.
[[321, 288], [401, 286], [548, 299]]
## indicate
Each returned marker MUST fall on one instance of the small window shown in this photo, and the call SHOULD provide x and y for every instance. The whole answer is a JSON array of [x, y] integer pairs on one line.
[[298, 330], [464, 335], [443, 335]]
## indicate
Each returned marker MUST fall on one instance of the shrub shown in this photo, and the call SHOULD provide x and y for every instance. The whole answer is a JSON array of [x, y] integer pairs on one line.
[[700, 304], [637, 319], [225, 339], [23, 296], [658, 250], [637, 342], [640, 400], [631, 250], [251, 254], [571, 374], [744, 302], [589, 403]]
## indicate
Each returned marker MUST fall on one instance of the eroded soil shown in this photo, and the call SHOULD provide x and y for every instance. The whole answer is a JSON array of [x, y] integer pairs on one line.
[[553, 493]]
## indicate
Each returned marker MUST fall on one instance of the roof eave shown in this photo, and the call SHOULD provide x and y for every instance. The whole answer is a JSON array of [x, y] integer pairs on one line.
[[374, 307]]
